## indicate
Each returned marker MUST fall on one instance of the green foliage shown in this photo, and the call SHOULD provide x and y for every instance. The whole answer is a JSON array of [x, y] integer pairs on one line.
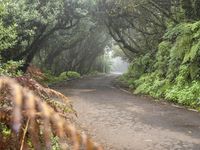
[[162, 58], [102, 63], [63, 76], [93, 73], [185, 94], [193, 53], [175, 73], [73, 74], [55, 143], [11, 68], [50, 78], [8, 34], [4, 130], [49, 34], [68, 75]]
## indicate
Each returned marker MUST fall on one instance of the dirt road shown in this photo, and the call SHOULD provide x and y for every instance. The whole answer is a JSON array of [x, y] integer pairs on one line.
[[123, 121]]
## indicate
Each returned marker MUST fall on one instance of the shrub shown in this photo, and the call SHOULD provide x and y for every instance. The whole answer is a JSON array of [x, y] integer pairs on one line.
[[175, 72], [11, 68], [63, 76], [72, 74], [50, 78], [93, 73], [28, 122], [68, 75]]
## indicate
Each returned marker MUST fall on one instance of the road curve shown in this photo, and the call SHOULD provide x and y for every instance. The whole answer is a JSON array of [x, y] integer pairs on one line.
[[122, 121]]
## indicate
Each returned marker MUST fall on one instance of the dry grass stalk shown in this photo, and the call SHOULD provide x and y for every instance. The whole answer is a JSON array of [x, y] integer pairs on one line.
[[40, 121]]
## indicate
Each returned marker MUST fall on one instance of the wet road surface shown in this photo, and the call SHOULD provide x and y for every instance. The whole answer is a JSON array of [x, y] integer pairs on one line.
[[122, 121]]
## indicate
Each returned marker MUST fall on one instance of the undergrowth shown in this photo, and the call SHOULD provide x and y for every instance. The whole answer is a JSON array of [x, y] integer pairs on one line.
[[33, 123], [10, 68], [173, 73], [33, 116], [68, 75]]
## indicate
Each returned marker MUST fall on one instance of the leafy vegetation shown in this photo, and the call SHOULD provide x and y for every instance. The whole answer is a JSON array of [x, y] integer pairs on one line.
[[70, 38], [64, 76], [161, 41], [8, 34], [11, 68], [36, 32], [34, 35], [72, 74], [174, 74]]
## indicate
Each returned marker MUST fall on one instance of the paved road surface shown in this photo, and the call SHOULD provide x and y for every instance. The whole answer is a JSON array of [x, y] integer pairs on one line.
[[126, 122]]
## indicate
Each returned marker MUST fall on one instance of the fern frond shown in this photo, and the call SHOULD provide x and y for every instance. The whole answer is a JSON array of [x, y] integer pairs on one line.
[[43, 121]]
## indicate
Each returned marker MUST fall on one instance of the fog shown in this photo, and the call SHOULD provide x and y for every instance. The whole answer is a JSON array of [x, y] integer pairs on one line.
[[119, 66]]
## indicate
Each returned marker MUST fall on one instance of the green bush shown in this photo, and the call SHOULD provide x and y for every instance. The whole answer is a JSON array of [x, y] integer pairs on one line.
[[11, 68], [93, 73], [174, 73], [63, 76], [73, 74], [50, 78]]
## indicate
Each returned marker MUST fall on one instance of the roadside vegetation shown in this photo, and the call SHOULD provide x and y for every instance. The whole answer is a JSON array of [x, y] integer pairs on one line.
[[64, 76], [48, 41], [44, 42], [170, 69]]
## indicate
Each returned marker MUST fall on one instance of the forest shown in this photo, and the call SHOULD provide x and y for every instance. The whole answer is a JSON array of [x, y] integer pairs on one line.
[[43, 42]]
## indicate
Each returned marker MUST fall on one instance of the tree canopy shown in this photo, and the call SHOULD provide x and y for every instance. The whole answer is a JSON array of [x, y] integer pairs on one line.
[[73, 35]]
